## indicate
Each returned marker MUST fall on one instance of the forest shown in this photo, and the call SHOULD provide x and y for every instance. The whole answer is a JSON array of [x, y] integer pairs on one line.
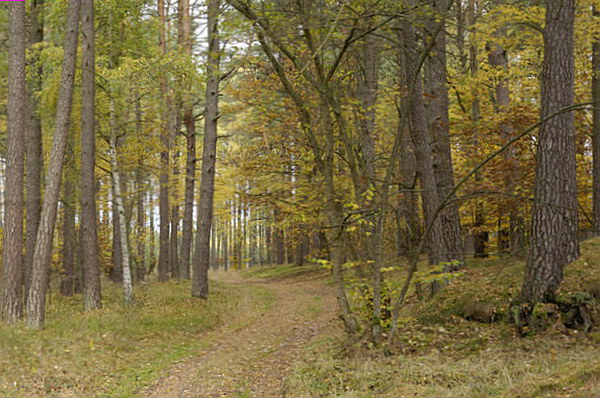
[[300, 198]]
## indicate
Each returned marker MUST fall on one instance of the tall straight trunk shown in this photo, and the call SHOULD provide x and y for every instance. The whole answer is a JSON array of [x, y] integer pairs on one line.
[[90, 268], [185, 36], [164, 206], [36, 301], [118, 201], [116, 272], [67, 285], [12, 253], [423, 153], [209, 154], [174, 238], [480, 236], [140, 186], [596, 128], [436, 87], [140, 228], [554, 241], [34, 159]]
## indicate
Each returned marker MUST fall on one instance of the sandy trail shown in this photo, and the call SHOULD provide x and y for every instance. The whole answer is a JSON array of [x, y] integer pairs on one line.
[[253, 362]]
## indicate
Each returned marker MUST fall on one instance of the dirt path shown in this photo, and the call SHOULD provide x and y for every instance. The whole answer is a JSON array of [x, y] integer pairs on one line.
[[253, 362]]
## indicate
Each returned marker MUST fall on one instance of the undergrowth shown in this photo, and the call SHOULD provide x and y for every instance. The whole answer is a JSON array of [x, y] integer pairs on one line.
[[459, 343]]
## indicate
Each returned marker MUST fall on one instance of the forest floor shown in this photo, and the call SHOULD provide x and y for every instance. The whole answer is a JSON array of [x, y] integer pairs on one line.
[[254, 361]]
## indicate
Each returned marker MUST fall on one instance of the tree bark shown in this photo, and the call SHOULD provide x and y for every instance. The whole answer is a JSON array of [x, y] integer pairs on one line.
[[423, 153], [554, 241], [34, 148], [209, 155], [118, 201], [67, 285], [36, 301], [12, 254], [88, 229], [596, 127], [185, 35], [437, 90], [164, 206]]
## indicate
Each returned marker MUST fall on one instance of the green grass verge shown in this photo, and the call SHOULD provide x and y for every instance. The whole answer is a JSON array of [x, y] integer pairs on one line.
[[117, 350], [287, 271]]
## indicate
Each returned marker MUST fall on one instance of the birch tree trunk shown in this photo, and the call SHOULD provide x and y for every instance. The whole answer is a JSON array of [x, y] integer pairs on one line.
[[118, 200]]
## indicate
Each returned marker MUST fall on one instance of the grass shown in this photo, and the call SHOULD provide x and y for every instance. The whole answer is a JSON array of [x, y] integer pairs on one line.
[[118, 349], [459, 345], [287, 271]]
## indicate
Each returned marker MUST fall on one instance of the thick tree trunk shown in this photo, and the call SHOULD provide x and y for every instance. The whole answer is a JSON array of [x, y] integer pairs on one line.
[[437, 91], [36, 301], [88, 229], [423, 154], [209, 155], [34, 147], [554, 241], [12, 253]]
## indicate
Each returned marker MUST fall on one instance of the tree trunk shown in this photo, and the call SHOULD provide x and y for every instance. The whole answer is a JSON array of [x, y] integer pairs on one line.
[[12, 254], [596, 128], [164, 207], [34, 148], [554, 241], [36, 301], [437, 91], [209, 155], [423, 153], [185, 35], [67, 285], [118, 201], [88, 229]]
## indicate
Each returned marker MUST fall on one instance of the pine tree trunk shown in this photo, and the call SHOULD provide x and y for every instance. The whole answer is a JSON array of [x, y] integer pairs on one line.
[[164, 206], [437, 109], [554, 241], [67, 285], [423, 154], [88, 229], [209, 155], [596, 128], [36, 301], [34, 148], [185, 36], [12, 260]]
